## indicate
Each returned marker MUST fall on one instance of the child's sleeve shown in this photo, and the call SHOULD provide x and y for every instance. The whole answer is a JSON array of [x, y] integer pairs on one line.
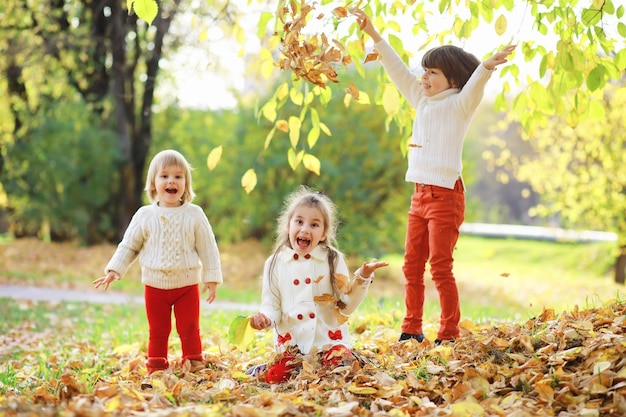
[[405, 81], [130, 246], [270, 298], [357, 290], [208, 251]]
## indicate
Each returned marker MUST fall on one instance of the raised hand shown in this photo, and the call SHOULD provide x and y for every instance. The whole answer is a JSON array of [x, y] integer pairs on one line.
[[499, 57]]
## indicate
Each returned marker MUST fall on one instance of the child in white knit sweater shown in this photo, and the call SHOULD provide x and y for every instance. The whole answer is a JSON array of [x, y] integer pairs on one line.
[[177, 250], [445, 100]]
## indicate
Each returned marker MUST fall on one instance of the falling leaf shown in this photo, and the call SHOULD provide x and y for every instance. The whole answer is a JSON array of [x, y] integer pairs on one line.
[[214, 157], [248, 181], [372, 56], [353, 91], [343, 283], [340, 12]]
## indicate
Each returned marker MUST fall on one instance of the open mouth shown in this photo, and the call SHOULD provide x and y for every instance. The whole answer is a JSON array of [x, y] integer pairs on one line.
[[171, 190], [303, 243]]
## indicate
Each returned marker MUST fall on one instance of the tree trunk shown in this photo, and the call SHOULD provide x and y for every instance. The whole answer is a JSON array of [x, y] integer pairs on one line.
[[127, 202]]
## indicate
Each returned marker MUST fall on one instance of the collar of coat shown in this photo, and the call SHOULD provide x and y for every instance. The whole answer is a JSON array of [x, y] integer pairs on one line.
[[320, 253]]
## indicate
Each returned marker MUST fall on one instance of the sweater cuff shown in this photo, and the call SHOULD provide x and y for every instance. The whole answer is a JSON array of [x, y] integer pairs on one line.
[[214, 275]]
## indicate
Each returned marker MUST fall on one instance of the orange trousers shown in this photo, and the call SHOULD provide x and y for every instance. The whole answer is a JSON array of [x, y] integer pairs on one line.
[[434, 221]]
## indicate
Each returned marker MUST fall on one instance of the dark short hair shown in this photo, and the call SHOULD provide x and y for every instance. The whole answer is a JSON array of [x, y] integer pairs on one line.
[[456, 64]]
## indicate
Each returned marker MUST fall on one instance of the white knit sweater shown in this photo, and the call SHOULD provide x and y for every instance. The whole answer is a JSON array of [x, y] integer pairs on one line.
[[441, 121], [175, 245]]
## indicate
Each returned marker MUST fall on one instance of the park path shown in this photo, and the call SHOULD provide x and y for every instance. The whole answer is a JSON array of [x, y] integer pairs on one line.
[[30, 293]]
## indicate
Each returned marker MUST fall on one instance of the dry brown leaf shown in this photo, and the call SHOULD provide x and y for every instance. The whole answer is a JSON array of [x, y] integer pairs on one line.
[[372, 56], [325, 299], [343, 283]]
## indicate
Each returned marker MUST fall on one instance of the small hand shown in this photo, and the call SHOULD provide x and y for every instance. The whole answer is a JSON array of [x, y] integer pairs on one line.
[[260, 321], [367, 269], [499, 57], [212, 287], [106, 280], [365, 23]]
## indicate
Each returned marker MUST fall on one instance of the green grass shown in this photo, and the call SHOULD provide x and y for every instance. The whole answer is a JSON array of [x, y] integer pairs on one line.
[[512, 280]]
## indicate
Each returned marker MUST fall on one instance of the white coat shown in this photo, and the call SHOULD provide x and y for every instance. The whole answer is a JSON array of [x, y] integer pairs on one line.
[[289, 300]]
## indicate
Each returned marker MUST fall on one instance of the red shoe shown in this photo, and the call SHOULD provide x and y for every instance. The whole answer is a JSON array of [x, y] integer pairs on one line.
[[335, 355], [281, 370]]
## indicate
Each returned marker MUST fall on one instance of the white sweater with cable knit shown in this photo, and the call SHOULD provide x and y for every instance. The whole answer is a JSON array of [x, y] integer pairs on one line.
[[176, 247], [441, 121]]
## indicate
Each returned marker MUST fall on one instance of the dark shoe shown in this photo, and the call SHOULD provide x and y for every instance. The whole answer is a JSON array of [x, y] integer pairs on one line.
[[439, 341], [406, 336]]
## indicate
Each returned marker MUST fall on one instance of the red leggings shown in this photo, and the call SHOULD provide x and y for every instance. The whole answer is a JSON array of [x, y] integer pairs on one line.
[[435, 218], [186, 305]]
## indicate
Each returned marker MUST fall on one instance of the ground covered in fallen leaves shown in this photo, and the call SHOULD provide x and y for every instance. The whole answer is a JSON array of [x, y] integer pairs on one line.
[[570, 364]]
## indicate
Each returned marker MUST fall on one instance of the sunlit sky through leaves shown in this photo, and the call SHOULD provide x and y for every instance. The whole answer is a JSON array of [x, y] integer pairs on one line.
[[197, 82]]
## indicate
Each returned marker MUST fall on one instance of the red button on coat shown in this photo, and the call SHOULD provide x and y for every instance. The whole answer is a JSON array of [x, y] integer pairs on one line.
[[299, 316], [308, 280], [296, 282], [312, 315]]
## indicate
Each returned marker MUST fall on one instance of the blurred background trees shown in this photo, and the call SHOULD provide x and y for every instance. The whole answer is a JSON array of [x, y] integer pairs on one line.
[[80, 116]]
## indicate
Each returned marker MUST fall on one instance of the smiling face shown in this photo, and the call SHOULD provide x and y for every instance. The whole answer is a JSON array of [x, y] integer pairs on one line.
[[306, 229], [170, 185], [434, 82]]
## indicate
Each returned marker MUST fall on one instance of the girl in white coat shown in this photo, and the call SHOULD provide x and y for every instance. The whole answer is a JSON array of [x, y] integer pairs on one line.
[[307, 293]]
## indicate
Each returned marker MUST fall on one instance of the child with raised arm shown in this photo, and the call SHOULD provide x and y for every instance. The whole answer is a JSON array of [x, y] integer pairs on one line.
[[445, 100], [307, 293], [177, 250]]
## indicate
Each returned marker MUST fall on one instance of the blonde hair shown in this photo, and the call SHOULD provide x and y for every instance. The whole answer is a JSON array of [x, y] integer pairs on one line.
[[163, 159], [304, 196]]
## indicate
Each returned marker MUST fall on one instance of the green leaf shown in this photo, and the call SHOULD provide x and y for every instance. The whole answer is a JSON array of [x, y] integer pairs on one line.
[[595, 79], [240, 333], [620, 59], [313, 136], [146, 10]]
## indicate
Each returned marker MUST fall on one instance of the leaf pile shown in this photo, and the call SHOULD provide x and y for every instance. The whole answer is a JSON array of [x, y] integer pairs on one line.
[[572, 365]]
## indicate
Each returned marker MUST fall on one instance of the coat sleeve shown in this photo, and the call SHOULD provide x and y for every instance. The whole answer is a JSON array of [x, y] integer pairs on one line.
[[357, 289], [270, 296]]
